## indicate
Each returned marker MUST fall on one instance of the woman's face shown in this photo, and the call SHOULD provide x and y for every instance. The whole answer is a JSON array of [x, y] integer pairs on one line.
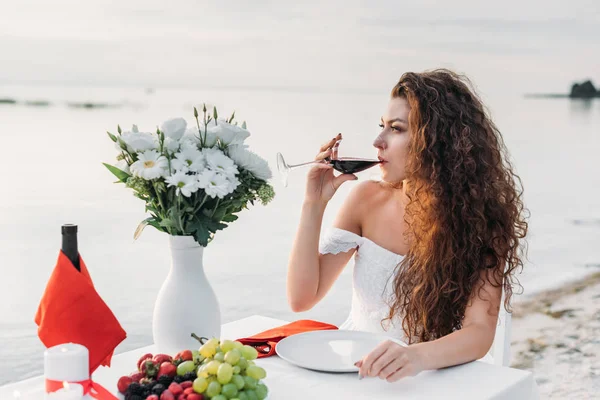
[[392, 142]]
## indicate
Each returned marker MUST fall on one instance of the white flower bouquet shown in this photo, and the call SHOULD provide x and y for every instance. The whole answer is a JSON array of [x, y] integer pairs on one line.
[[193, 180]]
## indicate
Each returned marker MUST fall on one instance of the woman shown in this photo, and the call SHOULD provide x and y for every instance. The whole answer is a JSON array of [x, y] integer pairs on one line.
[[435, 242]]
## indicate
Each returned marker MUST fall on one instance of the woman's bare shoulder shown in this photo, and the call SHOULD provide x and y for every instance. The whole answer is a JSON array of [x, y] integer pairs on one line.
[[361, 198]]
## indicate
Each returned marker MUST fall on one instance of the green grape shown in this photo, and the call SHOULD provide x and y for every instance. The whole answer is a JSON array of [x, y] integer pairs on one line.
[[207, 350], [211, 378], [249, 352], [196, 357], [242, 396], [229, 390], [224, 373], [213, 342], [212, 367], [251, 395], [227, 345], [220, 356], [242, 363], [262, 391], [236, 370], [213, 389], [185, 367], [233, 356], [237, 345], [256, 372], [200, 385], [249, 382], [238, 381], [219, 397]]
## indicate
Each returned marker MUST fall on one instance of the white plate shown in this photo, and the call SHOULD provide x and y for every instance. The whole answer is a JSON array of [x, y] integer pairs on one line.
[[330, 350]]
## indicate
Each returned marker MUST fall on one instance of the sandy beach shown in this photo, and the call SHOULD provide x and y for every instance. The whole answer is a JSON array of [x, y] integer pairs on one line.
[[556, 335]]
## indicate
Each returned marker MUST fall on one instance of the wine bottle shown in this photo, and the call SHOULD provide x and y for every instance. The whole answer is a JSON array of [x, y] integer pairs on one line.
[[69, 244]]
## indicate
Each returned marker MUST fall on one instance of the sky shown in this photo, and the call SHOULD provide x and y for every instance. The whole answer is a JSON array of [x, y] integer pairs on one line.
[[537, 46]]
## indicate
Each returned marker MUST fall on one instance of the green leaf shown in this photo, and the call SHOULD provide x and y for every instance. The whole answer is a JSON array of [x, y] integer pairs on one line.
[[200, 232], [119, 129], [231, 118], [230, 218], [215, 112], [168, 223], [112, 137], [121, 175]]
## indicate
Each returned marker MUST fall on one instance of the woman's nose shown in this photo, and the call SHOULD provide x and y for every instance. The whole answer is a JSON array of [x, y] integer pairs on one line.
[[379, 143]]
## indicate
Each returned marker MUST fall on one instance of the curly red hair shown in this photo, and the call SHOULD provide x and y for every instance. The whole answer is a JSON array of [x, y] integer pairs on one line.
[[465, 213]]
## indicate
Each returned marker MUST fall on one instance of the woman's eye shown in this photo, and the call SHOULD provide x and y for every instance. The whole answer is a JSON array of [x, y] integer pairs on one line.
[[381, 126], [395, 128]]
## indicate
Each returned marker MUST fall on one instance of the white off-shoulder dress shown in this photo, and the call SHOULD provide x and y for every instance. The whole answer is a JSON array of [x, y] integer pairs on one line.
[[372, 282]]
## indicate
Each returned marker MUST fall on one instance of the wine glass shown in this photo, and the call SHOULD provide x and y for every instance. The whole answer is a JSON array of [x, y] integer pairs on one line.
[[345, 165]]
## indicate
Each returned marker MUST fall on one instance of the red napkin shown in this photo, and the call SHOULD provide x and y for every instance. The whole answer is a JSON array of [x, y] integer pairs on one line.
[[266, 341], [72, 311]]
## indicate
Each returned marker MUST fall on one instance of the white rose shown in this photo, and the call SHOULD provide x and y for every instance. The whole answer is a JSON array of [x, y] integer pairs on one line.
[[139, 141], [174, 128], [228, 134], [250, 162]]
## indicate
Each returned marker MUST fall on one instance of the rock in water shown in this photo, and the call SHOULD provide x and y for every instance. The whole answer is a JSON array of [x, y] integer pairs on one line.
[[585, 90]]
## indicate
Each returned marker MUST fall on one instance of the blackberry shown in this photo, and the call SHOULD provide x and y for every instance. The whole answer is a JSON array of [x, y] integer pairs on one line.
[[146, 393], [134, 397], [164, 380], [158, 389], [135, 388], [178, 379], [190, 376]]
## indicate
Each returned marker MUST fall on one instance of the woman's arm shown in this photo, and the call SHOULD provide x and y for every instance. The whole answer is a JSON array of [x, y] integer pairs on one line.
[[392, 362], [310, 274], [476, 336]]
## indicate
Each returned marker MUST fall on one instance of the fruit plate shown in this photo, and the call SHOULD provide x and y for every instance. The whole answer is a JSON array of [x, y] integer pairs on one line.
[[330, 350]]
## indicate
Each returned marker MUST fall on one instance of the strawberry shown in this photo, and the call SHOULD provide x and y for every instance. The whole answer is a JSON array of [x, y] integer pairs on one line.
[[142, 359], [149, 368], [167, 395], [166, 368], [195, 396], [182, 396], [137, 376], [175, 388], [161, 358], [123, 383], [185, 355], [186, 384], [152, 397]]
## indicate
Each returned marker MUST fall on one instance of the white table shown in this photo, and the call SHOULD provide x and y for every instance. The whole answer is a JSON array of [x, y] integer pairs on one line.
[[475, 380]]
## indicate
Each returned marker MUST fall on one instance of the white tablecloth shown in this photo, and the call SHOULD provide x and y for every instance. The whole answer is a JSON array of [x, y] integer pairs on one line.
[[475, 380]]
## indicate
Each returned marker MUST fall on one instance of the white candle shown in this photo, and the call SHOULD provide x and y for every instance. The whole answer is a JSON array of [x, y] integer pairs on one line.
[[67, 362], [70, 391]]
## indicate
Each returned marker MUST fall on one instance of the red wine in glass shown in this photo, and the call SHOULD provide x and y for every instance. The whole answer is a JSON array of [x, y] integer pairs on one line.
[[350, 165], [345, 165]]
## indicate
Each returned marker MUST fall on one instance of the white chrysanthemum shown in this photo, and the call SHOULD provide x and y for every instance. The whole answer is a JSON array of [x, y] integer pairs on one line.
[[227, 133], [185, 184], [188, 159], [214, 183], [174, 128], [234, 182], [171, 145], [123, 166], [251, 162], [138, 142], [218, 161], [150, 165]]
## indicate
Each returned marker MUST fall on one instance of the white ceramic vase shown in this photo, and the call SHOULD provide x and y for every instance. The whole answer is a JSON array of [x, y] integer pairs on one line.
[[186, 302]]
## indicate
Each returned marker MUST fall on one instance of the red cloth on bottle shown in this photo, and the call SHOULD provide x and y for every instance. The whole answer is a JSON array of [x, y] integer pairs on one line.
[[71, 311], [266, 341]]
